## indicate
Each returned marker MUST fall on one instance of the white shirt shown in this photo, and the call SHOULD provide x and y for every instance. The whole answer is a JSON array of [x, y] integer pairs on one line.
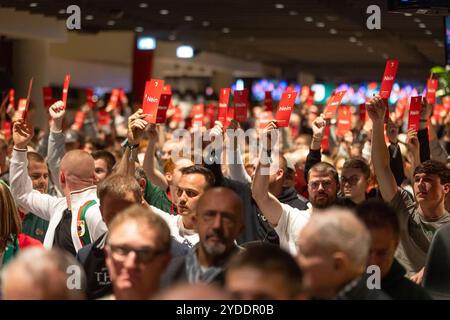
[[291, 222], [177, 230]]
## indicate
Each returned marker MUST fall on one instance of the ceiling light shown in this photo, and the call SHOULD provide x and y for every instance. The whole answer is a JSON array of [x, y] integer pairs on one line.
[[439, 44], [163, 12], [333, 31], [146, 43], [352, 39], [279, 6], [225, 30], [422, 25], [139, 29], [407, 14], [33, 4], [62, 11], [205, 23], [185, 52], [332, 18], [89, 17], [111, 23], [309, 19], [188, 18], [172, 37], [417, 20], [428, 32], [143, 5], [320, 25], [293, 13]]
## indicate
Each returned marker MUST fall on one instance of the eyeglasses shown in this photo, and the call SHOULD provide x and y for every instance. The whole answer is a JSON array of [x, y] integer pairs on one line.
[[189, 192], [325, 184], [144, 255], [353, 180]]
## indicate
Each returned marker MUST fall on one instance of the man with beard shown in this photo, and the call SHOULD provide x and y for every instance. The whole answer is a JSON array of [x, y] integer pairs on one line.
[[219, 221], [323, 185]]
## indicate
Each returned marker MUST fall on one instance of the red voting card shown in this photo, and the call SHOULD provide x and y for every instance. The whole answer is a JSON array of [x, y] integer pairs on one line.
[[446, 103], [362, 112], [113, 99], [211, 113], [197, 115], [388, 78], [103, 117], [438, 112], [152, 94], [333, 104], [264, 118], [432, 85], [162, 108], [401, 107], [224, 98], [167, 89], [11, 98], [268, 101], [284, 109], [414, 113], [388, 81], [325, 145], [48, 96], [79, 119], [344, 123], [6, 129], [289, 89], [89, 98], [65, 89], [241, 105]]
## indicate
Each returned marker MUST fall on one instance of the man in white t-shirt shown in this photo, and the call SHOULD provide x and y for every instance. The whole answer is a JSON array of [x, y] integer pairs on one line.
[[323, 185]]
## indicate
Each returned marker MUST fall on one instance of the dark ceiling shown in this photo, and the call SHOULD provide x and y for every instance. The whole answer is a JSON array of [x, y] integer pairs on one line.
[[328, 38]]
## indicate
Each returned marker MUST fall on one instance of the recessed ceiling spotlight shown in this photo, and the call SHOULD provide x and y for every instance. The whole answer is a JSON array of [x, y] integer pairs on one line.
[[417, 20], [139, 29], [352, 39], [163, 12], [428, 32], [62, 11], [422, 25], [111, 23], [279, 6], [407, 14], [225, 30], [370, 49], [205, 23], [143, 5], [320, 25], [188, 18], [89, 17], [293, 13], [333, 31], [33, 4], [309, 19], [172, 37]]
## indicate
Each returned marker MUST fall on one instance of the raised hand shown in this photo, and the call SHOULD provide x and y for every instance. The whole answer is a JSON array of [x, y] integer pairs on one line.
[[136, 127], [412, 142], [22, 134], [376, 109], [152, 133], [217, 130], [318, 126], [269, 133], [57, 110]]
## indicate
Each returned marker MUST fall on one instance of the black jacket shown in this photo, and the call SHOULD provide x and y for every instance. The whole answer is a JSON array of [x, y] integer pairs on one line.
[[396, 285], [358, 290]]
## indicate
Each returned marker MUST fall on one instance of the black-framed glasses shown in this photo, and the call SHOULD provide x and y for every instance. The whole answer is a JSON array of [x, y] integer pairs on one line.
[[316, 184], [144, 254]]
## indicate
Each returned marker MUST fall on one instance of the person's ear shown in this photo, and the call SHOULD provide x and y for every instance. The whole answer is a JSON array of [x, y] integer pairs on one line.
[[446, 188], [168, 177], [62, 178], [340, 261]]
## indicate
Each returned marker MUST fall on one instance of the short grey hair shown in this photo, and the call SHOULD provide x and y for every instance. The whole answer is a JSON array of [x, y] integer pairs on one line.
[[338, 229], [40, 266]]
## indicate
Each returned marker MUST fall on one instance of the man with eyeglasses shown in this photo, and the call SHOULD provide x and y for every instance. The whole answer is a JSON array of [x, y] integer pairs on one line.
[[137, 253], [219, 221], [323, 185]]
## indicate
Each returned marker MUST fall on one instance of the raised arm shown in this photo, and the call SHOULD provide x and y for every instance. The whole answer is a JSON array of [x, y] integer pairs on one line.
[[235, 164], [315, 154], [56, 141], [380, 155], [268, 204], [152, 173]]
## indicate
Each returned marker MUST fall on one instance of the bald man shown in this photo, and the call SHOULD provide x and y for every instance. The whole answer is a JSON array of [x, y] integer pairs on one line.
[[333, 250], [219, 221], [75, 219]]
